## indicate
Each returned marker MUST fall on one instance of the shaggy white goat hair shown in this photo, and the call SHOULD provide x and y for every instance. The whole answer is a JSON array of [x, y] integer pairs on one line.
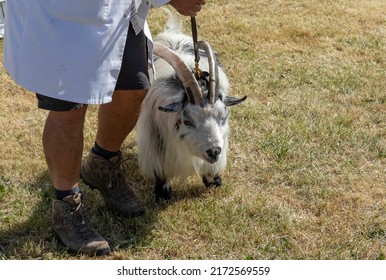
[[183, 124]]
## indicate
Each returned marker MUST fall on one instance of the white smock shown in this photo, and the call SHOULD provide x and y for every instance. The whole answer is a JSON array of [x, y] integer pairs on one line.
[[70, 49]]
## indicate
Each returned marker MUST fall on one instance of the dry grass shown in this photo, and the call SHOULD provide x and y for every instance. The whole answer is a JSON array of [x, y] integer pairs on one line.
[[306, 174]]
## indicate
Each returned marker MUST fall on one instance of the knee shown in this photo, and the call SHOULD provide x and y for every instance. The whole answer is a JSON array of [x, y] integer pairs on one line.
[[73, 117]]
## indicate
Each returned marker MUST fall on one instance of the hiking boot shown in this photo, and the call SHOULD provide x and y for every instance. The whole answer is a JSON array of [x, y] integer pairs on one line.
[[107, 176], [73, 228]]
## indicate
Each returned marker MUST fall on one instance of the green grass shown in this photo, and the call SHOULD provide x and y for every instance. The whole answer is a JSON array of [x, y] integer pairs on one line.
[[307, 161]]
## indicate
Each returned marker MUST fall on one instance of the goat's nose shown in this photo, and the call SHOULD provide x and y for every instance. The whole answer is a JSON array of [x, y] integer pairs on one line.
[[213, 153]]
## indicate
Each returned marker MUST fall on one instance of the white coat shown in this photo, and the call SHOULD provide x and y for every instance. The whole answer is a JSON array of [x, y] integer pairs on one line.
[[69, 49]]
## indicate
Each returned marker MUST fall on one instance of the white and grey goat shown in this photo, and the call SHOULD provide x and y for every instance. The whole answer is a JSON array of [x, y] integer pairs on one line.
[[183, 125]]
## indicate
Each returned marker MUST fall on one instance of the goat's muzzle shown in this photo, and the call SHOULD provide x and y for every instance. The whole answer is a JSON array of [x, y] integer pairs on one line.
[[213, 154]]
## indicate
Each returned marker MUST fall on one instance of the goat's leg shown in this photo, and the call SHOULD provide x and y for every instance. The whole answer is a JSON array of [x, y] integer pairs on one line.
[[162, 189], [211, 180], [211, 173]]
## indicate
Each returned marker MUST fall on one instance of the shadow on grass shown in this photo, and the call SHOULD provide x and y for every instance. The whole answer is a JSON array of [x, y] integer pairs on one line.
[[33, 237], [26, 238]]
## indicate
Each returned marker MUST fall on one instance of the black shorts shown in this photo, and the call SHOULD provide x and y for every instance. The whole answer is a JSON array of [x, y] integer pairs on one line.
[[133, 75]]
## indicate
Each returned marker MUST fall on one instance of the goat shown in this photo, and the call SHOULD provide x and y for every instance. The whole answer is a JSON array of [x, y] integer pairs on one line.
[[183, 124]]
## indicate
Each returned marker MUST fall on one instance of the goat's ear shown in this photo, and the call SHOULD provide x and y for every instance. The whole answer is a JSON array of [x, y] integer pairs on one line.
[[230, 101], [173, 107]]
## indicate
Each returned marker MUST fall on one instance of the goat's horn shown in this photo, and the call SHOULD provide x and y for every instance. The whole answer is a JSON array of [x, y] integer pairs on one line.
[[182, 70], [213, 70]]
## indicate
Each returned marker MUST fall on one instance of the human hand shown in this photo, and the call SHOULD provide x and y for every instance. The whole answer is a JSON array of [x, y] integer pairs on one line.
[[187, 7]]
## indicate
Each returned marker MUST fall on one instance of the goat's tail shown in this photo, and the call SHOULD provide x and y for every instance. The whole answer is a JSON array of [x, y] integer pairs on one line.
[[174, 24]]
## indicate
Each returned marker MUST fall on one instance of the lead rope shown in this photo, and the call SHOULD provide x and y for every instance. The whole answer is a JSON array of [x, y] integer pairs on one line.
[[197, 70]]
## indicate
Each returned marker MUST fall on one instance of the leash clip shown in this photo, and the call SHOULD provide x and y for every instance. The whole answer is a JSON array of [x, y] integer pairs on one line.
[[197, 71]]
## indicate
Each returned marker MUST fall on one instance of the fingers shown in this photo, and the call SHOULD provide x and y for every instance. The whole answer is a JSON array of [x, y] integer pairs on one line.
[[182, 12], [188, 8], [194, 10]]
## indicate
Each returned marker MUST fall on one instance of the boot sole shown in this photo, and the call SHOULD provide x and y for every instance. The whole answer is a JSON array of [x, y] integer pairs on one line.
[[99, 252]]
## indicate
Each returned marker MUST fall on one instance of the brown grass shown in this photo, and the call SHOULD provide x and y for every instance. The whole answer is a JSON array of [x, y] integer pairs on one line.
[[306, 173]]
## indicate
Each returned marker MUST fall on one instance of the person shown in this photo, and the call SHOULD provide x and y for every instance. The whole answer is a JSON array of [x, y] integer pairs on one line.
[[73, 53]]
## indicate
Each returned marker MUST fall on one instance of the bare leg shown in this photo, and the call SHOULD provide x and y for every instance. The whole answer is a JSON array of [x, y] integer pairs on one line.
[[118, 118], [115, 121], [63, 146]]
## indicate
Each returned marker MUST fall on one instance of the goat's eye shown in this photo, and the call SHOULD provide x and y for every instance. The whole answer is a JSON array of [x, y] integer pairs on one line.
[[189, 123]]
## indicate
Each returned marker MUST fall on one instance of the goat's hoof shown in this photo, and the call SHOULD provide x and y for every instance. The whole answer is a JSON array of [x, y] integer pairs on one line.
[[165, 194], [215, 182]]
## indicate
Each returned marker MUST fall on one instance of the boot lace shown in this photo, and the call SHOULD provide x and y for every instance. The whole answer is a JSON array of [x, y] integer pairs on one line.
[[116, 179], [81, 222]]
